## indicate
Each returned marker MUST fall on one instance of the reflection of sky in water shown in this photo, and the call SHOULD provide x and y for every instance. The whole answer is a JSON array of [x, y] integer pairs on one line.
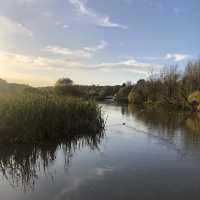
[[134, 161]]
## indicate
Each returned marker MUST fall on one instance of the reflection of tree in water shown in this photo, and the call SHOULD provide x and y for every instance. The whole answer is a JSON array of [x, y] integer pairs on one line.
[[20, 165], [192, 128], [193, 122], [178, 128], [162, 121], [125, 111]]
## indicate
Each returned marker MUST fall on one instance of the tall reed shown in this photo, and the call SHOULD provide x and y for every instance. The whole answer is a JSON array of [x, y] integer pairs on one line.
[[37, 118]]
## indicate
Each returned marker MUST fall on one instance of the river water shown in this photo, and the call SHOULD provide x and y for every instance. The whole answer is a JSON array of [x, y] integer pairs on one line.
[[142, 156]]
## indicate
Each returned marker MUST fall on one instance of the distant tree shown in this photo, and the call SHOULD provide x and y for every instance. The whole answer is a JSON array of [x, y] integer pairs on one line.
[[191, 79], [65, 87], [64, 82], [170, 78], [122, 94], [123, 84], [139, 93]]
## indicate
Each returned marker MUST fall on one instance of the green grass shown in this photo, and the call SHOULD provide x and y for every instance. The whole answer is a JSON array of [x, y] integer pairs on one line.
[[34, 118]]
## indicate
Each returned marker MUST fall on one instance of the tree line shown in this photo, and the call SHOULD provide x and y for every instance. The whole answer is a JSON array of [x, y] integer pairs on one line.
[[171, 89]]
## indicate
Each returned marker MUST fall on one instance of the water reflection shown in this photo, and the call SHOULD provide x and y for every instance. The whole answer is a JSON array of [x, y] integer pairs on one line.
[[193, 122], [22, 165], [180, 129], [143, 152]]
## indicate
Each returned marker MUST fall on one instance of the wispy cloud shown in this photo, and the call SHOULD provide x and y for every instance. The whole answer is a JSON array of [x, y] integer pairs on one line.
[[8, 26], [129, 65], [15, 60], [85, 52], [99, 20], [177, 57], [106, 22], [80, 53], [102, 45], [27, 62]]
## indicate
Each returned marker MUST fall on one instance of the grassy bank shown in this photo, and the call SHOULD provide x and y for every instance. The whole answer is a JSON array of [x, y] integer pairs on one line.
[[31, 118]]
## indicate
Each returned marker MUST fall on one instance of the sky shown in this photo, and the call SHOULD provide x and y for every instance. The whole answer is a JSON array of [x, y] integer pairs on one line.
[[104, 42]]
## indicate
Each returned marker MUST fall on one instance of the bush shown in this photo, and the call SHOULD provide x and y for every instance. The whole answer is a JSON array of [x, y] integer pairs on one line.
[[194, 100], [194, 97]]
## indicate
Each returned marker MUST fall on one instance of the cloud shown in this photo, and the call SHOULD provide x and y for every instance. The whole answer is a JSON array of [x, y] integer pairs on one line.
[[9, 59], [106, 22], [102, 45], [22, 68], [177, 57], [99, 20], [131, 65], [68, 52], [14, 60], [8, 26], [85, 52], [43, 70]]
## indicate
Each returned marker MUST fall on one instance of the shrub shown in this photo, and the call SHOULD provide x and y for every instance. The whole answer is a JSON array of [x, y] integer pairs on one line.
[[194, 99]]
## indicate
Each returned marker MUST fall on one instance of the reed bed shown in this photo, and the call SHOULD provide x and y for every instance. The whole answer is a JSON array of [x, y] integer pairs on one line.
[[34, 118]]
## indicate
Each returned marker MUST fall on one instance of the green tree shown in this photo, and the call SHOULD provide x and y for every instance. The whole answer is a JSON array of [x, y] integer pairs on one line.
[[63, 82], [64, 86], [138, 94]]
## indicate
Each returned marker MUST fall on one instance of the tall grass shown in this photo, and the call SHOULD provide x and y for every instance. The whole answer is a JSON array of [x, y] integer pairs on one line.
[[36, 118]]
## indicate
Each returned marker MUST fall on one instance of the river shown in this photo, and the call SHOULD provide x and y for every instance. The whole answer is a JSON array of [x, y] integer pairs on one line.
[[142, 156]]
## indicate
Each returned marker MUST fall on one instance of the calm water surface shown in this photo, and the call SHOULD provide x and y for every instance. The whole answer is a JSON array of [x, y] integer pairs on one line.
[[142, 156]]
